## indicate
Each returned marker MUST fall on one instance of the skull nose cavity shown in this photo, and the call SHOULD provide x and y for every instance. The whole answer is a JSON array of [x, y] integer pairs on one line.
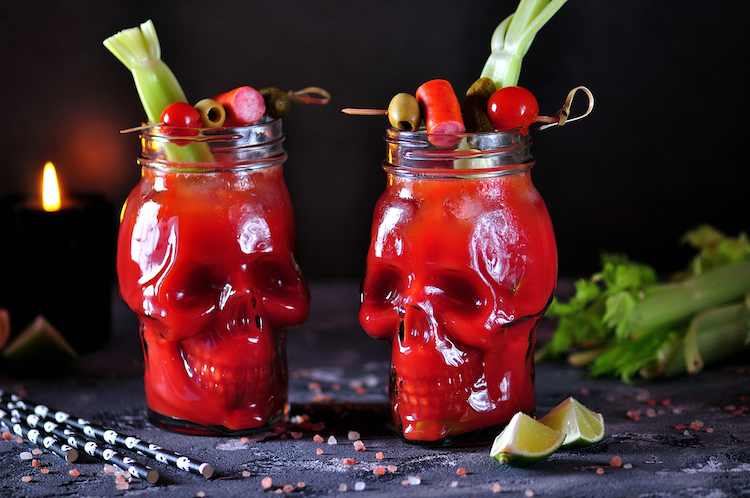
[[416, 327], [241, 316]]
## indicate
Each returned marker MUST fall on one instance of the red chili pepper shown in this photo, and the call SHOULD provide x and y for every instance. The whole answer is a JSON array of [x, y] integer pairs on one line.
[[512, 107], [440, 109], [244, 105]]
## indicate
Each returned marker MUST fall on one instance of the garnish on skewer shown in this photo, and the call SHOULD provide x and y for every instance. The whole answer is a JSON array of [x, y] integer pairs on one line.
[[277, 105], [560, 118]]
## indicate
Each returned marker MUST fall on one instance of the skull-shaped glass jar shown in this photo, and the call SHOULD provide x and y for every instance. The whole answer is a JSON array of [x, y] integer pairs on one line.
[[462, 265], [206, 259]]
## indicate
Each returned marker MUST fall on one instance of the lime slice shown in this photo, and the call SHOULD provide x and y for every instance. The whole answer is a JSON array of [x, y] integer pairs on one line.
[[4, 327], [525, 441], [580, 425], [39, 348]]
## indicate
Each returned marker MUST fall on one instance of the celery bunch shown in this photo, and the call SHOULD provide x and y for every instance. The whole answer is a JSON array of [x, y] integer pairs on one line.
[[512, 38], [624, 322]]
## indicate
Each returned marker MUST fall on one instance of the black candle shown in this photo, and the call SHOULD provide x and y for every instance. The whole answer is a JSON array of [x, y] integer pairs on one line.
[[59, 264]]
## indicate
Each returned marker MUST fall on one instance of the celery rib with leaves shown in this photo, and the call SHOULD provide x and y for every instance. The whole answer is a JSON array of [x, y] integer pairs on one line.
[[623, 322], [140, 52]]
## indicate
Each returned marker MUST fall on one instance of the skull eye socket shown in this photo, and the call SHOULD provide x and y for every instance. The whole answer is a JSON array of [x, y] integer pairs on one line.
[[384, 288], [197, 288], [274, 278], [458, 294]]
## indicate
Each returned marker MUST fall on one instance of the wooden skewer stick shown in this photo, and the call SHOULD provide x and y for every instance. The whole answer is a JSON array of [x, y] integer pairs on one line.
[[365, 112], [384, 112], [140, 128]]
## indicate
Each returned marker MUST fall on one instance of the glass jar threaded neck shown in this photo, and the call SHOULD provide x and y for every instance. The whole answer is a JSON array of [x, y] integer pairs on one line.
[[258, 145], [463, 155]]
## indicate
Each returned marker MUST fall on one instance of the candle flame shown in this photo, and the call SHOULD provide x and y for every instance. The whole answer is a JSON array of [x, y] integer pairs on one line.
[[50, 190]]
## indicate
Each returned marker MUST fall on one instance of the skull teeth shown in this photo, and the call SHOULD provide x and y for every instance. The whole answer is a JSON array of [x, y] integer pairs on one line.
[[230, 382], [430, 399]]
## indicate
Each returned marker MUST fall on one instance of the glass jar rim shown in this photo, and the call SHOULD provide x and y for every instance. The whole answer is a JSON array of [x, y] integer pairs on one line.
[[443, 155], [251, 146]]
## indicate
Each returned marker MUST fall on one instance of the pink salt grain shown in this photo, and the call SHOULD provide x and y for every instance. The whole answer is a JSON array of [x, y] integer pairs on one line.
[[379, 470], [35, 463], [496, 487], [319, 451], [379, 455], [287, 488], [353, 435], [36, 451], [26, 478], [615, 462], [318, 438], [600, 471], [349, 461], [74, 472], [392, 468], [359, 445], [461, 472], [44, 471], [267, 482], [246, 473]]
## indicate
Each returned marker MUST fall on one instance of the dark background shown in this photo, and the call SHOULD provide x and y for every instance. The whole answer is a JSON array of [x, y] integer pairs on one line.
[[663, 151]]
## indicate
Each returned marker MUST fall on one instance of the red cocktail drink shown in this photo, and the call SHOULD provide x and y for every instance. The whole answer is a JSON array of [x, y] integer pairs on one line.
[[206, 258], [461, 267]]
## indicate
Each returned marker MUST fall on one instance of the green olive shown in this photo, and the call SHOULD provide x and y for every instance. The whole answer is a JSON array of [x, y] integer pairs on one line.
[[475, 106], [403, 112], [212, 113], [277, 102]]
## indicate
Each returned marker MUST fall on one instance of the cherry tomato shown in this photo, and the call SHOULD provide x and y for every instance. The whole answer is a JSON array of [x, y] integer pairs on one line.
[[182, 115], [512, 107]]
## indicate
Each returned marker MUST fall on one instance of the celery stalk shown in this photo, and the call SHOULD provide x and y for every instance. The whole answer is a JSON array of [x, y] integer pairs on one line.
[[140, 52], [679, 301], [512, 38], [713, 335]]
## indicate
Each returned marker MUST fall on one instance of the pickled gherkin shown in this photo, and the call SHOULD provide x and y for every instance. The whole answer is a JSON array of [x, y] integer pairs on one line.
[[475, 114]]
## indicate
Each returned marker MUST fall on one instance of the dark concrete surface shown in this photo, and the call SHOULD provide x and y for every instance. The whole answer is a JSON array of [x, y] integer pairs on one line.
[[339, 380]]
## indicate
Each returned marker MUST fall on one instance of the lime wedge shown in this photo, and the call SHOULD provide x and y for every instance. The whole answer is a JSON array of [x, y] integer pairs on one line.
[[4, 327], [525, 441], [580, 425], [39, 348]]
